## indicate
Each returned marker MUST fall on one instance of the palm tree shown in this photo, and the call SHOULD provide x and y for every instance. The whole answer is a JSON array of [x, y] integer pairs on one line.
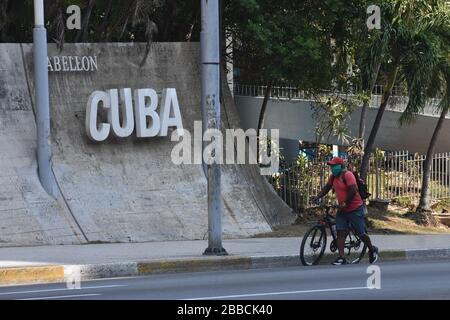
[[368, 64], [424, 203], [428, 76], [407, 27], [369, 83], [83, 33], [440, 85]]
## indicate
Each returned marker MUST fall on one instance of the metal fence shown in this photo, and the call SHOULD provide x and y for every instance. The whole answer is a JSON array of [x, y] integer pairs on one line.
[[391, 175], [397, 102], [280, 92]]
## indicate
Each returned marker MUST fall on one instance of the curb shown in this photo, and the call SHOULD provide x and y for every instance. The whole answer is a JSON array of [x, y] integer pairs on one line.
[[69, 273], [22, 275]]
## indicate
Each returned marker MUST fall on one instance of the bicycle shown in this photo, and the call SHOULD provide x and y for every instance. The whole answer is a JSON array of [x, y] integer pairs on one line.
[[315, 239]]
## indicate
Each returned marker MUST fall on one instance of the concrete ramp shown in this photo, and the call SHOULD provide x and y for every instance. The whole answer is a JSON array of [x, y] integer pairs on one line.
[[120, 190]]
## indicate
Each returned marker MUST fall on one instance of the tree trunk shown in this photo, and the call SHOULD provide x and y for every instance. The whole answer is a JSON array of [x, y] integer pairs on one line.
[[376, 125], [222, 37], [82, 34], [362, 121], [103, 28], [424, 203], [171, 6], [262, 113]]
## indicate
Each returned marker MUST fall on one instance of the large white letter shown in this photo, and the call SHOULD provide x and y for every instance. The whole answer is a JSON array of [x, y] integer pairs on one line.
[[74, 21], [169, 119], [145, 110], [374, 280], [198, 142], [269, 151], [374, 20], [101, 131], [126, 113], [239, 136], [72, 275], [213, 152], [182, 151]]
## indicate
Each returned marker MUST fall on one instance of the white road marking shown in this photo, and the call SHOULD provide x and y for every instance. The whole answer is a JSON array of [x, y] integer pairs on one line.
[[60, 289], [278, 293], [63, 297]]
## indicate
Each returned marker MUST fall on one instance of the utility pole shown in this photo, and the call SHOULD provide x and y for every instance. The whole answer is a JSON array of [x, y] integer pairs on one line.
[[44, 153], [210, 55]]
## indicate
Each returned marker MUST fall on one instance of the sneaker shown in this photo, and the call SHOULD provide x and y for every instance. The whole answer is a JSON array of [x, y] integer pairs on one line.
[[339, 261], [373, 256]]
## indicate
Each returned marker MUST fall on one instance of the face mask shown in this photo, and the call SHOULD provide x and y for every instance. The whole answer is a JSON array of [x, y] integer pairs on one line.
[[336, 170]]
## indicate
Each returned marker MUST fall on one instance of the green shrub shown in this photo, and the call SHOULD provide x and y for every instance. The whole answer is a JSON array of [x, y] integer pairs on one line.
[[403, 201]]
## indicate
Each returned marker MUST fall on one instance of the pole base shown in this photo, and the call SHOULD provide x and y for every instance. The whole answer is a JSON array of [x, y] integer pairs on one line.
[[215, 252]]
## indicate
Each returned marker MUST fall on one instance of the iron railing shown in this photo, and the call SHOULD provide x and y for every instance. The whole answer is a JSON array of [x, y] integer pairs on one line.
[[397, 102], [391, 175]]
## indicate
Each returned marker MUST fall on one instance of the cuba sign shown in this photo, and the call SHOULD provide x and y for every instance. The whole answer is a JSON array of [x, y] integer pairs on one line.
[[126, 115]]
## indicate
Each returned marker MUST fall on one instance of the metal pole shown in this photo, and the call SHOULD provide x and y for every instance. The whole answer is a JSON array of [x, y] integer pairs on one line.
[[42, 99], [210, 55]]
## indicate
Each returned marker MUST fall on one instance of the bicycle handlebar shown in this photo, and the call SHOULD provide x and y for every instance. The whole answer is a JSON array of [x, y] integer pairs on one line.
[[327, 206]]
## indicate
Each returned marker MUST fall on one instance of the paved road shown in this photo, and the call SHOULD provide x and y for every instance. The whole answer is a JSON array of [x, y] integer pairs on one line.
[[399, 280]]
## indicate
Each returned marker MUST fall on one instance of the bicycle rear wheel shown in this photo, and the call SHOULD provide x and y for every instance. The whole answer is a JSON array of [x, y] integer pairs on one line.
[[313, 245], [355, 249]]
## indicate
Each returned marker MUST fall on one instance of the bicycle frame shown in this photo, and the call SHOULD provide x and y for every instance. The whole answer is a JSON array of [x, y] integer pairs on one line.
[[327, 222]]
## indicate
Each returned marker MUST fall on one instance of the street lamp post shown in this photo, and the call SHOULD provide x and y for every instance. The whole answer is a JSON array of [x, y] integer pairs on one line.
[[210, 55], [42, 99]]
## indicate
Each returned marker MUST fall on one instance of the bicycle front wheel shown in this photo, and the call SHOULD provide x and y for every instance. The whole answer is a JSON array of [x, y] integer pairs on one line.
[[313, 246]]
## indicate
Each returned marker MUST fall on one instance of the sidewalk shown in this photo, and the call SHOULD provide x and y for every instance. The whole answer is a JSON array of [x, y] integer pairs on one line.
[[55, 263]]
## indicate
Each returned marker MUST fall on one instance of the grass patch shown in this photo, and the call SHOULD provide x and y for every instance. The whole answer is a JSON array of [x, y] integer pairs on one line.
[[393, 221], [403, 202], [442, 206]]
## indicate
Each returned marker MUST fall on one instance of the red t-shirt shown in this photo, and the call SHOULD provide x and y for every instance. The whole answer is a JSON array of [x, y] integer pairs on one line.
[[341, 191]]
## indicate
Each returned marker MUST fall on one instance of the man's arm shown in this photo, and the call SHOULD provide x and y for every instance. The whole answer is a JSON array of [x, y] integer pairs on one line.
[[352, 187], [351, 192], [324, 191]]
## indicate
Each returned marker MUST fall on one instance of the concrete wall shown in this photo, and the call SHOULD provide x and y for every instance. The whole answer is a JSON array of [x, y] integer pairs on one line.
[[120, 190], [27, 214], [295, 121]]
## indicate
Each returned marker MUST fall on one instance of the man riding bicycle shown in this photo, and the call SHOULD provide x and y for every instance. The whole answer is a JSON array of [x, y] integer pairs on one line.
[[351, 208]]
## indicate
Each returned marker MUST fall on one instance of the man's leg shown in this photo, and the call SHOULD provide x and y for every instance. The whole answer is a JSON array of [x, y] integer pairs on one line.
[[358, 222], [373, 250], [341, 236], [366, 239], [342, 226]]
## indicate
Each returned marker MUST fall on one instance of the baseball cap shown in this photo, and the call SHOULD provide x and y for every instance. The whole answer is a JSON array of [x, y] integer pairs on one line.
[[335, 160]]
